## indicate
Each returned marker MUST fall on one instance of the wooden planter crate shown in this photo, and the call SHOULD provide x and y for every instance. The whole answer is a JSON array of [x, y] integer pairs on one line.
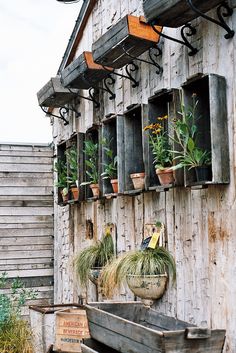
[[83, 72], [131, 33], [134, 328], [92, 346], [53, 94], [174, 13]]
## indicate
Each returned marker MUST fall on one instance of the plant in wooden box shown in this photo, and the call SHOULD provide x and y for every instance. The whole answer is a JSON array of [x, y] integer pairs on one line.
[[146, 272], [161, 150], [190, 154], [90, 261], [91, 161], [110, 167], [72, 178], [61, 182]]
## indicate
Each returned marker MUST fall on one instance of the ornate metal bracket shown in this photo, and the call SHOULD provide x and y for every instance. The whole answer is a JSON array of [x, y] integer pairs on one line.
[[152, 60], [191, 31], [62, 112], [90, 98], [129, 68], [108, 81], [220, 13]]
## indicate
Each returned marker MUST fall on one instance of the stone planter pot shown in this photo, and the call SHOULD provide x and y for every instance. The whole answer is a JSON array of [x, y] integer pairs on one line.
[[165, 176], [149, 287], [94, 274], [114, 183], [95, 189], [174, 13], [138, 180]]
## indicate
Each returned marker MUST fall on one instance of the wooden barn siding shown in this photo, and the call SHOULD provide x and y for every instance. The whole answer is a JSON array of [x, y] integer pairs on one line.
[[26, 217], [200, 223]]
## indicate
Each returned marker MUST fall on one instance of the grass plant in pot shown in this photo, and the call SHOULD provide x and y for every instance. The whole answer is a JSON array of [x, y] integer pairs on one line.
[[92, 259], [190, 155], [91, 162], [61, 183], [163, 157], [72, 178], [145, 271], [110, 166]]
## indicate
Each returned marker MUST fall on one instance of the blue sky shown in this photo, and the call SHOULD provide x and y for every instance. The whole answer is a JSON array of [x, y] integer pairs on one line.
[[33, 36]]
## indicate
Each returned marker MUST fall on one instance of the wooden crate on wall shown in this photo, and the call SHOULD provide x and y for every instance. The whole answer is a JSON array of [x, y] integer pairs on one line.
[[174, 13], [131, 33]]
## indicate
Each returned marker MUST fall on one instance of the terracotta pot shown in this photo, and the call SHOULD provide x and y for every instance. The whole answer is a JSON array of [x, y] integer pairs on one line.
[[75, 193], [114, 183], [95, 189], [165, 176], [138, 180], [94, 274], [147, 287]]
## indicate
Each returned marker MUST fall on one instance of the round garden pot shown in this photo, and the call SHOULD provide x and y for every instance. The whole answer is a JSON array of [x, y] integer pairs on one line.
[[114, 183], [138, 180], [95, 189], [94, 274], [75, 193], [65, 196], [147, 287], [165, 176]]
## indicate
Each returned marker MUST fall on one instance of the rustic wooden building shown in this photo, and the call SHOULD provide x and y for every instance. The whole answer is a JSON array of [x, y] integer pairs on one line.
[[26, 217], [200, 218]]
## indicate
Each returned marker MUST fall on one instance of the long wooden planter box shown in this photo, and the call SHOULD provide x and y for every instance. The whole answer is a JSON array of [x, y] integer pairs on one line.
[[83, 72], [174, 13], [132, 327], [53, 94], [131, 33]]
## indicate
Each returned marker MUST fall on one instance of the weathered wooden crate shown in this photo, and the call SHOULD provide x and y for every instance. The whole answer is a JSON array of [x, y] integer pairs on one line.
[[92, 346], [83, 72], [131, 33], [132, 327], [174, 13], [71, 328], [53, 94]]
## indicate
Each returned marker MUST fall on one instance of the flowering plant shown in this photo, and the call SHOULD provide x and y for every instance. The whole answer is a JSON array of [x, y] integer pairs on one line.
[[159, 142]]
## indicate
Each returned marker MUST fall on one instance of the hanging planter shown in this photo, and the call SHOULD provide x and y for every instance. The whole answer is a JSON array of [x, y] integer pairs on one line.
[[175, 13], [150, 287]]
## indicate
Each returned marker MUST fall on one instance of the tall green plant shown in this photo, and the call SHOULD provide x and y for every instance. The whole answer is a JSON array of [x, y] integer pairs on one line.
[[110, 167], [91, 162], [72, 161], [61, 169]]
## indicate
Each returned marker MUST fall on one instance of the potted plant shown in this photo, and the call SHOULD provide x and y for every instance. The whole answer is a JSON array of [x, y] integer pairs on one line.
[[145, 271], [90, 261], [72, 178], [61, 182], [91, 161], [138, 180], [110, 166], [163, 157], [190, 154]]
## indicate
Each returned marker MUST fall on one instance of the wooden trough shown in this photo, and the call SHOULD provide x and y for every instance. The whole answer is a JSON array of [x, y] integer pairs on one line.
[[132, 34], [174, 13], [132, 327], [83, 72], [53, 94]]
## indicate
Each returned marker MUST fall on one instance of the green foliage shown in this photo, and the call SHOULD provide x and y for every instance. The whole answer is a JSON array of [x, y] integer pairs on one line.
[[97, 255], [186, 136], [110, 167], [91, 153], [140, 262], [163, 157], [72, 161], [61, 169]]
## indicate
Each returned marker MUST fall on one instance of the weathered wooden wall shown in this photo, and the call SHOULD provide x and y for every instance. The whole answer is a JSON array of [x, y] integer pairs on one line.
[[26, 216], [200, 223]]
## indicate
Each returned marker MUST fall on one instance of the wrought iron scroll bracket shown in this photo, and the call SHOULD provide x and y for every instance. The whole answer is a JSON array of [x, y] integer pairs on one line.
[[223, 10], [190, 31], [152, 60], [90, 98], [129, 69], [108, 81], [62, 112]]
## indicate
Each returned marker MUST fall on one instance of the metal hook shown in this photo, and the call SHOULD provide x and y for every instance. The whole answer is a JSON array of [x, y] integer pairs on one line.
[[185, 41], [221, 22]]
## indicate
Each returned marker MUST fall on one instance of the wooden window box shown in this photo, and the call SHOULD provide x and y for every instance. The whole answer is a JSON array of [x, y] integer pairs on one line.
[[164, 102], [131, 33], [130, 147], [174, 13], [83, 72], [212, 125], [53, 94]]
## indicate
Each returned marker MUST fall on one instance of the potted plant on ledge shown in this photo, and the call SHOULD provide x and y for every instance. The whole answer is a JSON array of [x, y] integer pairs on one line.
[[61, 182], [91, 162], [110, 166], [72, 178]]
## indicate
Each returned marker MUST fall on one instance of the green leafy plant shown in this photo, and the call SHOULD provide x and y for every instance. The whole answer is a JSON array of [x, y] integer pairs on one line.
[[91, 153], [138, 262], [72, 161], [110, 167], [190, 154], [61, 169], [96, 255]]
